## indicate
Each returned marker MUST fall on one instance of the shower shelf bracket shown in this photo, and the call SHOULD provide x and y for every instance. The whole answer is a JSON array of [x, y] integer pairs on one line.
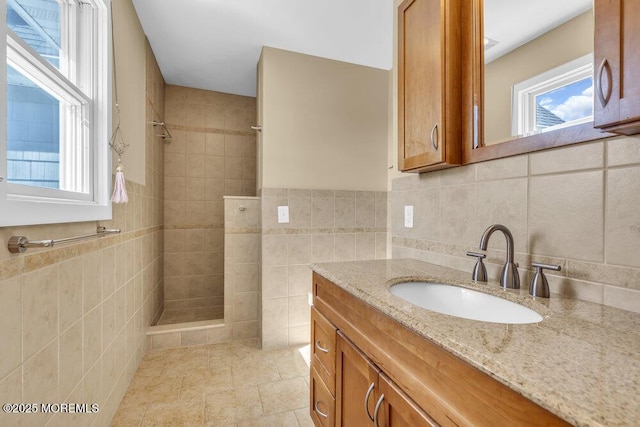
[[166, 134]]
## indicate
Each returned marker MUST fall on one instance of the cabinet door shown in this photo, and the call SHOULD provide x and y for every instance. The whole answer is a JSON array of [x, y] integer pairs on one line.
[[356, 385], [396, 409], [428, 90], [616, 63]]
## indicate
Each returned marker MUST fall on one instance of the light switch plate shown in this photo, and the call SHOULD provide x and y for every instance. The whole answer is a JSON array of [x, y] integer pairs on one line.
[[283, 214], [408, 216]]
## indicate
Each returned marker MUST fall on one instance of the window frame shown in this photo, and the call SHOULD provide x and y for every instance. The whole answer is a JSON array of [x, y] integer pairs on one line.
[[523, 95], [28, 205]]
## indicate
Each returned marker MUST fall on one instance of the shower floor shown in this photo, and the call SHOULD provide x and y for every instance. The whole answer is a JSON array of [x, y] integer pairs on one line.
[[182, 315]]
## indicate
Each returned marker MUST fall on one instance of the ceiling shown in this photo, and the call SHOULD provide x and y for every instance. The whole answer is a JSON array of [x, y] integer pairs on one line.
[[216, 44]]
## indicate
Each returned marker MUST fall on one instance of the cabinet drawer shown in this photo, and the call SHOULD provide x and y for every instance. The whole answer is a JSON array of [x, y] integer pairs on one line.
[[322, 405], [323, 344]]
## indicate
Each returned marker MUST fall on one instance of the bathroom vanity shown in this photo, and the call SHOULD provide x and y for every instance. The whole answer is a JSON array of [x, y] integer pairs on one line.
[[379, 360]]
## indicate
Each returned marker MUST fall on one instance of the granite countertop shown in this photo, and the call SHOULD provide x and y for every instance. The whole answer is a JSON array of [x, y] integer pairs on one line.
[[581, 362]]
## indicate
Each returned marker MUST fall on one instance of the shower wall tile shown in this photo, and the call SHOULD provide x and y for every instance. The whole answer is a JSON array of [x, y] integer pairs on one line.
[[211, 156], [242, 265]]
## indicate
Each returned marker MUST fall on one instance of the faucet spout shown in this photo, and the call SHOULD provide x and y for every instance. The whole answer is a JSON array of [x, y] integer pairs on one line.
[[509, 277]]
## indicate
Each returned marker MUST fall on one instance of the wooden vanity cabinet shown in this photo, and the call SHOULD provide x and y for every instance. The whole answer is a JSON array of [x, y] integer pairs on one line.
[[616, 65], [323, 370], [357, 385], [429, 103], [398, 409], [422, 384], [361, 384], [323, 339], [323, 404]]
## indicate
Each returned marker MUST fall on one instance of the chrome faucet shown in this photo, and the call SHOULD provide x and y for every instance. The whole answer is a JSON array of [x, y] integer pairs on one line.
[[509, 277]]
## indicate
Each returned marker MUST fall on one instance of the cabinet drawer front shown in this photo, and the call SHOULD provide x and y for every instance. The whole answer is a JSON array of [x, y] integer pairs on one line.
[[323, 344], [322, 405]]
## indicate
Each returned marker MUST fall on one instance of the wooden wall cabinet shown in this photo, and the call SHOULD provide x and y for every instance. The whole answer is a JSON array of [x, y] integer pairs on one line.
[[429, 125], [617, 66], [387, 373], [441, 84]]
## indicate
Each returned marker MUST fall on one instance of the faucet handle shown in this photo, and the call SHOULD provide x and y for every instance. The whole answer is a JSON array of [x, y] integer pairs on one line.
[[479, 271], [539, 286]]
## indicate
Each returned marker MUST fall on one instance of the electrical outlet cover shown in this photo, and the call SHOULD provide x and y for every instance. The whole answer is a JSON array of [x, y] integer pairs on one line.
[[408, 216], [283, 214]]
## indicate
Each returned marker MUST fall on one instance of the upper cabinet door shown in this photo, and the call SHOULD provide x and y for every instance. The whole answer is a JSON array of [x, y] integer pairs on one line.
[[428, 85], [617, 66]]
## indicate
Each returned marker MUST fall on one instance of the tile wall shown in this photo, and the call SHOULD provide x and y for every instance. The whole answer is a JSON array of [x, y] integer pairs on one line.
[[325, 226], [241, 284], [212, 153], [74, 316], [578, 207], [242, 259]]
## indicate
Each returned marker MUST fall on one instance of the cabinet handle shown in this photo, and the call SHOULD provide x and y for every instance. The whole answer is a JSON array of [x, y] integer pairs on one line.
[[604, 100], [315, 408], [434, 140], [322, 349], [366, 401], [377, 410]]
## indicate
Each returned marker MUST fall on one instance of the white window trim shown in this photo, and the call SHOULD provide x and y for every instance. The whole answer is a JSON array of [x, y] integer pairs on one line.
[[523, 94], [28, 209]]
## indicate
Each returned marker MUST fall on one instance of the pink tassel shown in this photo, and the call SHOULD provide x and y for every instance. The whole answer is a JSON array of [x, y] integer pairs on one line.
[[119, 188]]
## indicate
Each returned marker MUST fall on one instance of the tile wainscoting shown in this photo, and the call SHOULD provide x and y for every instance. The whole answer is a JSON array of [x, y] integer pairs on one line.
[[575, 206], [325, 225]]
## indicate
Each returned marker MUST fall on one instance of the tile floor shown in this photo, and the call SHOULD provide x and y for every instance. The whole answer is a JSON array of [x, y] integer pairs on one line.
[[181, 315], [231, 384]]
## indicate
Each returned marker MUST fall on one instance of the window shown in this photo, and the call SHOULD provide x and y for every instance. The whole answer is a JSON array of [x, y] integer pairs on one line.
[[54, 157], [555, 99]]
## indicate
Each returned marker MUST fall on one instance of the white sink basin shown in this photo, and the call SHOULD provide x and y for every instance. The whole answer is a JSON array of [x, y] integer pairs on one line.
[[465, 303]]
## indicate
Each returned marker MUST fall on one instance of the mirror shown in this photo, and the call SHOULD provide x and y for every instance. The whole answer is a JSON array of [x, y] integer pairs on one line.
[[531, 68], [538, 66]]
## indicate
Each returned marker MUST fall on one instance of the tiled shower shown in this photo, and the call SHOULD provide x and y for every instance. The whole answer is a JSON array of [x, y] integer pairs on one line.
[[212, 154]]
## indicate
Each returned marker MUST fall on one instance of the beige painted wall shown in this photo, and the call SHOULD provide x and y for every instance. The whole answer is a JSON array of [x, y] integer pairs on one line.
[[325, 123], [130, 73], [565, 43]]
